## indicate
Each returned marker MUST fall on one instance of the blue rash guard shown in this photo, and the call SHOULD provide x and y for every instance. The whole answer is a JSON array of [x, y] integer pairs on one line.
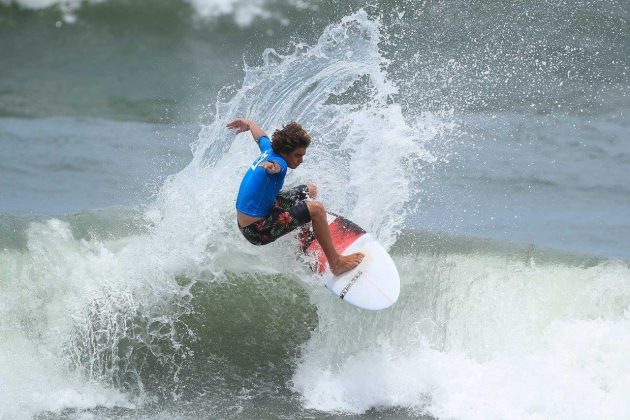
[[259, 189]]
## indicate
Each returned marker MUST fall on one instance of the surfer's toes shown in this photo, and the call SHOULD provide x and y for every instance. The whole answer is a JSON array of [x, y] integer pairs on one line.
[[346, 263]]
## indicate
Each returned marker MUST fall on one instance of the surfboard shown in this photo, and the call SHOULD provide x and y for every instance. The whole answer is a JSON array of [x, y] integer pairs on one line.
[[374, 284]]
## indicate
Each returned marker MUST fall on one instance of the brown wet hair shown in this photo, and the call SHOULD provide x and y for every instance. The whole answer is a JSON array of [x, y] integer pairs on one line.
[[289, 138]]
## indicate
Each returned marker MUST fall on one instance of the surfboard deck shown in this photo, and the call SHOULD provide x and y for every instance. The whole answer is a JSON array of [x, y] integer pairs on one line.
[[374, 284]]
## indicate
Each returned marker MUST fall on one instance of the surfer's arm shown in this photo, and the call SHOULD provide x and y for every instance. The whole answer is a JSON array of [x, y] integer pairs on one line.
[[271, 167], [241, 125]]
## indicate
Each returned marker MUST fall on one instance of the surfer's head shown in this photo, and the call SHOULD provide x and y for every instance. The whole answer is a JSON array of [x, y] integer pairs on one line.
[[291, 142]]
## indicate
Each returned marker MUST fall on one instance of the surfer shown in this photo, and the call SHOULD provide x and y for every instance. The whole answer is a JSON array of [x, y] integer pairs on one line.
[[264, 211]]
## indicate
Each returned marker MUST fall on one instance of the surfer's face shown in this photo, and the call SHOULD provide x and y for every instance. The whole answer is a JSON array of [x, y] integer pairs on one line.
[[294, 158]]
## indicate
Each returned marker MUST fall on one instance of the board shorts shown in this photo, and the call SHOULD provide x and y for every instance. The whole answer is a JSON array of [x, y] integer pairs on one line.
[[287, 214]]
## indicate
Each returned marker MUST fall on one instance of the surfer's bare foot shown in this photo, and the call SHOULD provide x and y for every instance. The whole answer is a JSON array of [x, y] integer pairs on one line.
[[346, 263]]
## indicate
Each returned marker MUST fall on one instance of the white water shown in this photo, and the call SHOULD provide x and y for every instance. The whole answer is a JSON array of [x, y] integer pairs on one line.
[[243, 12], [480, 337]]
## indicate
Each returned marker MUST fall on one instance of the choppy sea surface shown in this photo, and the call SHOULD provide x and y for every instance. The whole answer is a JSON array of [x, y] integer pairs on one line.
[[485, 143]]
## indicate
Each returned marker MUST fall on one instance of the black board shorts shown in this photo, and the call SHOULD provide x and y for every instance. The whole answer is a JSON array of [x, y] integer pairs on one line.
[[288, 213]]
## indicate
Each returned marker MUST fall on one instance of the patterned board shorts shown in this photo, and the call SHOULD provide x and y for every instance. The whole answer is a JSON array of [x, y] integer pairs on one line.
[[288, 213]]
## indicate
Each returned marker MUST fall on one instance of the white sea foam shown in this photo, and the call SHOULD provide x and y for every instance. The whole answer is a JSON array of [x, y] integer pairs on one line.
[[41, 290], [244, 12], [480, 337]]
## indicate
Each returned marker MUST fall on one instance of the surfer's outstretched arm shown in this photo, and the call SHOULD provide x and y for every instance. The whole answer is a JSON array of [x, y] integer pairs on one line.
[[241, 125]]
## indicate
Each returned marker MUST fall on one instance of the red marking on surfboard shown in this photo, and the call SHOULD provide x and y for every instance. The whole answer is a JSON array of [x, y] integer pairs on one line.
[[343, 233]]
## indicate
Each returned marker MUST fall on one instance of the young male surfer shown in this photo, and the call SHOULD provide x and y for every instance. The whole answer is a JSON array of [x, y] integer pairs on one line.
[[264, 212]]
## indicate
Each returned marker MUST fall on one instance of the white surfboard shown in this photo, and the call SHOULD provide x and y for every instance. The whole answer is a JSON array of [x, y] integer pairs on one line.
[[374, 284]]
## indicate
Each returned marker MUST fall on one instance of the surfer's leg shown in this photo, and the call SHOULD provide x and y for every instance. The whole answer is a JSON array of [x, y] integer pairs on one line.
[[312, 190], [280, 221], [338, 263]]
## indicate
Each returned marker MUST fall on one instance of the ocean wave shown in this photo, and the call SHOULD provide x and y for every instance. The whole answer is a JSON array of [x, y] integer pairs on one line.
[[478, 334], [243, 12], [168, 301], [478, 321], [114, 304]]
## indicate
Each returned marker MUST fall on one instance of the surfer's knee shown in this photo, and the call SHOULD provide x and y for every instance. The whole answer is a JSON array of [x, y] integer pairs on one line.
[[312, 190], [316, 209]]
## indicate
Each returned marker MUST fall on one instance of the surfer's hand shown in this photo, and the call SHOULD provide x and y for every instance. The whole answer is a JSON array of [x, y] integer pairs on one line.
[[270, 167], [241, 125]]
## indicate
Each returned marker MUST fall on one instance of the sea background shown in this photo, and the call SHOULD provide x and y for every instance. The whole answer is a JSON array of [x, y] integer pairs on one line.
[[485, 143]]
